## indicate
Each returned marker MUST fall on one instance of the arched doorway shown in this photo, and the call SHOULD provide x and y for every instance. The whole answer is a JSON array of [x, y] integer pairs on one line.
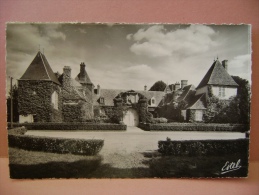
[[131, 118]]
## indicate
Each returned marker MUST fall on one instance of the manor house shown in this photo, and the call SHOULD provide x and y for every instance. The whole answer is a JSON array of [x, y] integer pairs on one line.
[[45, 96]]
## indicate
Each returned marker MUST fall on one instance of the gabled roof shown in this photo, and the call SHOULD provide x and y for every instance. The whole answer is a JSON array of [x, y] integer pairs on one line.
[[110, 94], [217, 75], [197, 102], [39, 69]]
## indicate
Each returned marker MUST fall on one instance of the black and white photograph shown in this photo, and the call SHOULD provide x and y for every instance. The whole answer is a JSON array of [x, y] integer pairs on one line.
[[117, 100]]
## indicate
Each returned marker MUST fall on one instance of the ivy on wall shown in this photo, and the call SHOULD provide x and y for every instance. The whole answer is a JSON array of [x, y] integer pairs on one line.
[[34, 97]]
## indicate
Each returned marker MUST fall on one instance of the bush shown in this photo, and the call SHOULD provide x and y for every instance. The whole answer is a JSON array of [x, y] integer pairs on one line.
[[17, 131], [203, 147], [159, 120], [75, 126], [55, 145], [194, 127]]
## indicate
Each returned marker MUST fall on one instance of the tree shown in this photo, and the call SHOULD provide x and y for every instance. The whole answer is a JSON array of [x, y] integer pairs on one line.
[[234, 110], [243, 96], [15, 105], [158, 86]]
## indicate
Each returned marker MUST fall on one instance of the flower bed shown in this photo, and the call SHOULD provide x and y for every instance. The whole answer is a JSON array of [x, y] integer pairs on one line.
[[194, 127]]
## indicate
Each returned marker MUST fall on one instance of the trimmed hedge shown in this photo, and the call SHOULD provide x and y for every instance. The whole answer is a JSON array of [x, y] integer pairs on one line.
[[55, 145], [17, 131], [194, 127], [73, 126], [203, 147]]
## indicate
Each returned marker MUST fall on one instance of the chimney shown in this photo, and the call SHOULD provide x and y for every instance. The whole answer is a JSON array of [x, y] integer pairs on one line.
[[66, 76], [177, 86], [145, 88], [184, 83], [98, 89], [225, 64], [82, 71]]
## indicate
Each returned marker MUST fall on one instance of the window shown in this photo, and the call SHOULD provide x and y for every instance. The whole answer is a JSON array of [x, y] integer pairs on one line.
[[153, 101], [198, 115], [101, 100], [54, 100], [221, 91]]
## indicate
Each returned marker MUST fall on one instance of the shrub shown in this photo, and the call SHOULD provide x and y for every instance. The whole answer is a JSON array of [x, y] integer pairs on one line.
[[55, 145], [194, 127], [159, 120], [17, 131], [203, 147], [75, 126]]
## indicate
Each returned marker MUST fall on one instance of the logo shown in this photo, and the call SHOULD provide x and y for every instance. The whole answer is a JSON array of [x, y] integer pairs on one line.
[[231, 166]]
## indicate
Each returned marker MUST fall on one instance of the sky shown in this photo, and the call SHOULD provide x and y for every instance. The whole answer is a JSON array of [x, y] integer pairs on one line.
[[130, 56]]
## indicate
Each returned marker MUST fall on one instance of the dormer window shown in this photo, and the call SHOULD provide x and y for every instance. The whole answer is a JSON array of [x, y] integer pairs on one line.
[[152, 101], [101, 100]]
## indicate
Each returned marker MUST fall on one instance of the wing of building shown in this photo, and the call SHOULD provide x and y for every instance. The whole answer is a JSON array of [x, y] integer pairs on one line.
[[45, 96]]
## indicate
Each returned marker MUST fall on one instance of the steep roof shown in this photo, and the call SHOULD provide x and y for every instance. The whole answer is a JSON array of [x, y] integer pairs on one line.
[[83, 77], [197, 102], [39, 69], [217, 75], [110, 94]]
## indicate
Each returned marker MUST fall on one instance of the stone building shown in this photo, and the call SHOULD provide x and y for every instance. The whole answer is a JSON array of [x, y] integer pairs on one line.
[[186, 103], [44, 96]]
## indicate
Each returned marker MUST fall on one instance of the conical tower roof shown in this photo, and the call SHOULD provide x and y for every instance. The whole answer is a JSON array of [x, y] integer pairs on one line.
[[217, 75], [39, 69], [83, 77]]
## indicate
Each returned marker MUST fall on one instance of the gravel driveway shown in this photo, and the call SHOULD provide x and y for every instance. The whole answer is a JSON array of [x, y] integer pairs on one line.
[[126, 149]]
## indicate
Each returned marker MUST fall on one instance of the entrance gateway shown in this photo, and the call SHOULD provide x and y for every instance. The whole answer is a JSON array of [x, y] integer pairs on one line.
[[131, 118]]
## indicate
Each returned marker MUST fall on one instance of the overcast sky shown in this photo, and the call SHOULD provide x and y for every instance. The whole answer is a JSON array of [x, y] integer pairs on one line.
[[129, 56]]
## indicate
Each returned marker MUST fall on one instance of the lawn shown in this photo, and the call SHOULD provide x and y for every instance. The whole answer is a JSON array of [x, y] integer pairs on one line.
[[33, 164]]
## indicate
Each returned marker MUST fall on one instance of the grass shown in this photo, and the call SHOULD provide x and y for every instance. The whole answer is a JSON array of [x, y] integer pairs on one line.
[[31, 164], [199, 166]]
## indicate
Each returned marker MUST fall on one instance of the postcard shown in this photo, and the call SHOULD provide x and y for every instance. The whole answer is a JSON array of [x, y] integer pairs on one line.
[[104, 100]]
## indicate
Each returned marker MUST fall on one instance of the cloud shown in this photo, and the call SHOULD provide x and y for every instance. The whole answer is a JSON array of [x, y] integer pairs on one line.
[[52, 31], [156, 41], [241, 66], [133, 77], [83, 31]]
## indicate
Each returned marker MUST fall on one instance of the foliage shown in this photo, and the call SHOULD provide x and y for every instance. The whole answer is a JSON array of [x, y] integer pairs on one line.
[[17, 130], [74, 126], [243, 98], [34, 97], [55, 145], [194, 127], [234, 110], [14, 92], [159, 120], [158, 86], [172, 111], [202, 147]]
